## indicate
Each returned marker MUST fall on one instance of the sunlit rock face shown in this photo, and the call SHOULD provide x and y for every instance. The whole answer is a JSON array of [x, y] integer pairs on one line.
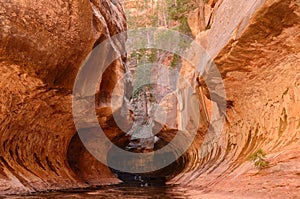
[[255, 45], [43, 44]]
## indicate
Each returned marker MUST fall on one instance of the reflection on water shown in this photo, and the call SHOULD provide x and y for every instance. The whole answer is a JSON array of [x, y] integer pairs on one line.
[[119, 191]]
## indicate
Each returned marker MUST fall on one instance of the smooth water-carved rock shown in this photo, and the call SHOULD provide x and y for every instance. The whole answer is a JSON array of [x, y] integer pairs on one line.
[[43, 44], [255, 45]]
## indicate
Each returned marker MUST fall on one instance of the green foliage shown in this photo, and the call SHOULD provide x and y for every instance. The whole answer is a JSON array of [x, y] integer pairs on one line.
[[167, 13], [261, 164], [184, 27], [141, 89], [144, 55], [258, 158], [258, 154], [178, 10], [171, 13], [142, 76], [175, 61]]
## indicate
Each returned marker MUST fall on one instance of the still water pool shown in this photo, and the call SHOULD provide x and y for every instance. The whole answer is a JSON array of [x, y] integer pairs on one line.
[[121, 191]]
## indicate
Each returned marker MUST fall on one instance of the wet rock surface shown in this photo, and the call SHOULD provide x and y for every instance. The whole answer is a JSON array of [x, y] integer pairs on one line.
[[255, 45], [43, 44]]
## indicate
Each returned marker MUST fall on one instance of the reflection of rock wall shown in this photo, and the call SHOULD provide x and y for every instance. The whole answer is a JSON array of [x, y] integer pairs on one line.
[[43, 44], [255, 45]]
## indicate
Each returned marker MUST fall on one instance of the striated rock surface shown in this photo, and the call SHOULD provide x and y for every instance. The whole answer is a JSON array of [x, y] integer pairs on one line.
[[255, 45], [43, 44]]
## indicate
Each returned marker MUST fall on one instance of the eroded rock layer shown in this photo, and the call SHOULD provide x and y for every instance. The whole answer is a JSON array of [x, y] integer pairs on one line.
[[43, 44], [255, 45]]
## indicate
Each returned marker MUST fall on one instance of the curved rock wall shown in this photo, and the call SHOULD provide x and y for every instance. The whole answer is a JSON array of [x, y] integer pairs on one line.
[[43, 44], [255, 45]]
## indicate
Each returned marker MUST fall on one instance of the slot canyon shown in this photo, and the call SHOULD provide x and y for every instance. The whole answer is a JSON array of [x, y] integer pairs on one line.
[[253, 44]]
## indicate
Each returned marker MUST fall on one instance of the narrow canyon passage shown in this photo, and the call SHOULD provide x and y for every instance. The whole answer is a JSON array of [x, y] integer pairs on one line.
[[255, 46]]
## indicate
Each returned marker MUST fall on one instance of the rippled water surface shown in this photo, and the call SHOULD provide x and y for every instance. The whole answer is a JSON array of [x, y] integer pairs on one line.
[[115, 192]]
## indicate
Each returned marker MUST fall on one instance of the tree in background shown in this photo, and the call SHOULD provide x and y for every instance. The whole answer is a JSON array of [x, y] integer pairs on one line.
[[159, 13]]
